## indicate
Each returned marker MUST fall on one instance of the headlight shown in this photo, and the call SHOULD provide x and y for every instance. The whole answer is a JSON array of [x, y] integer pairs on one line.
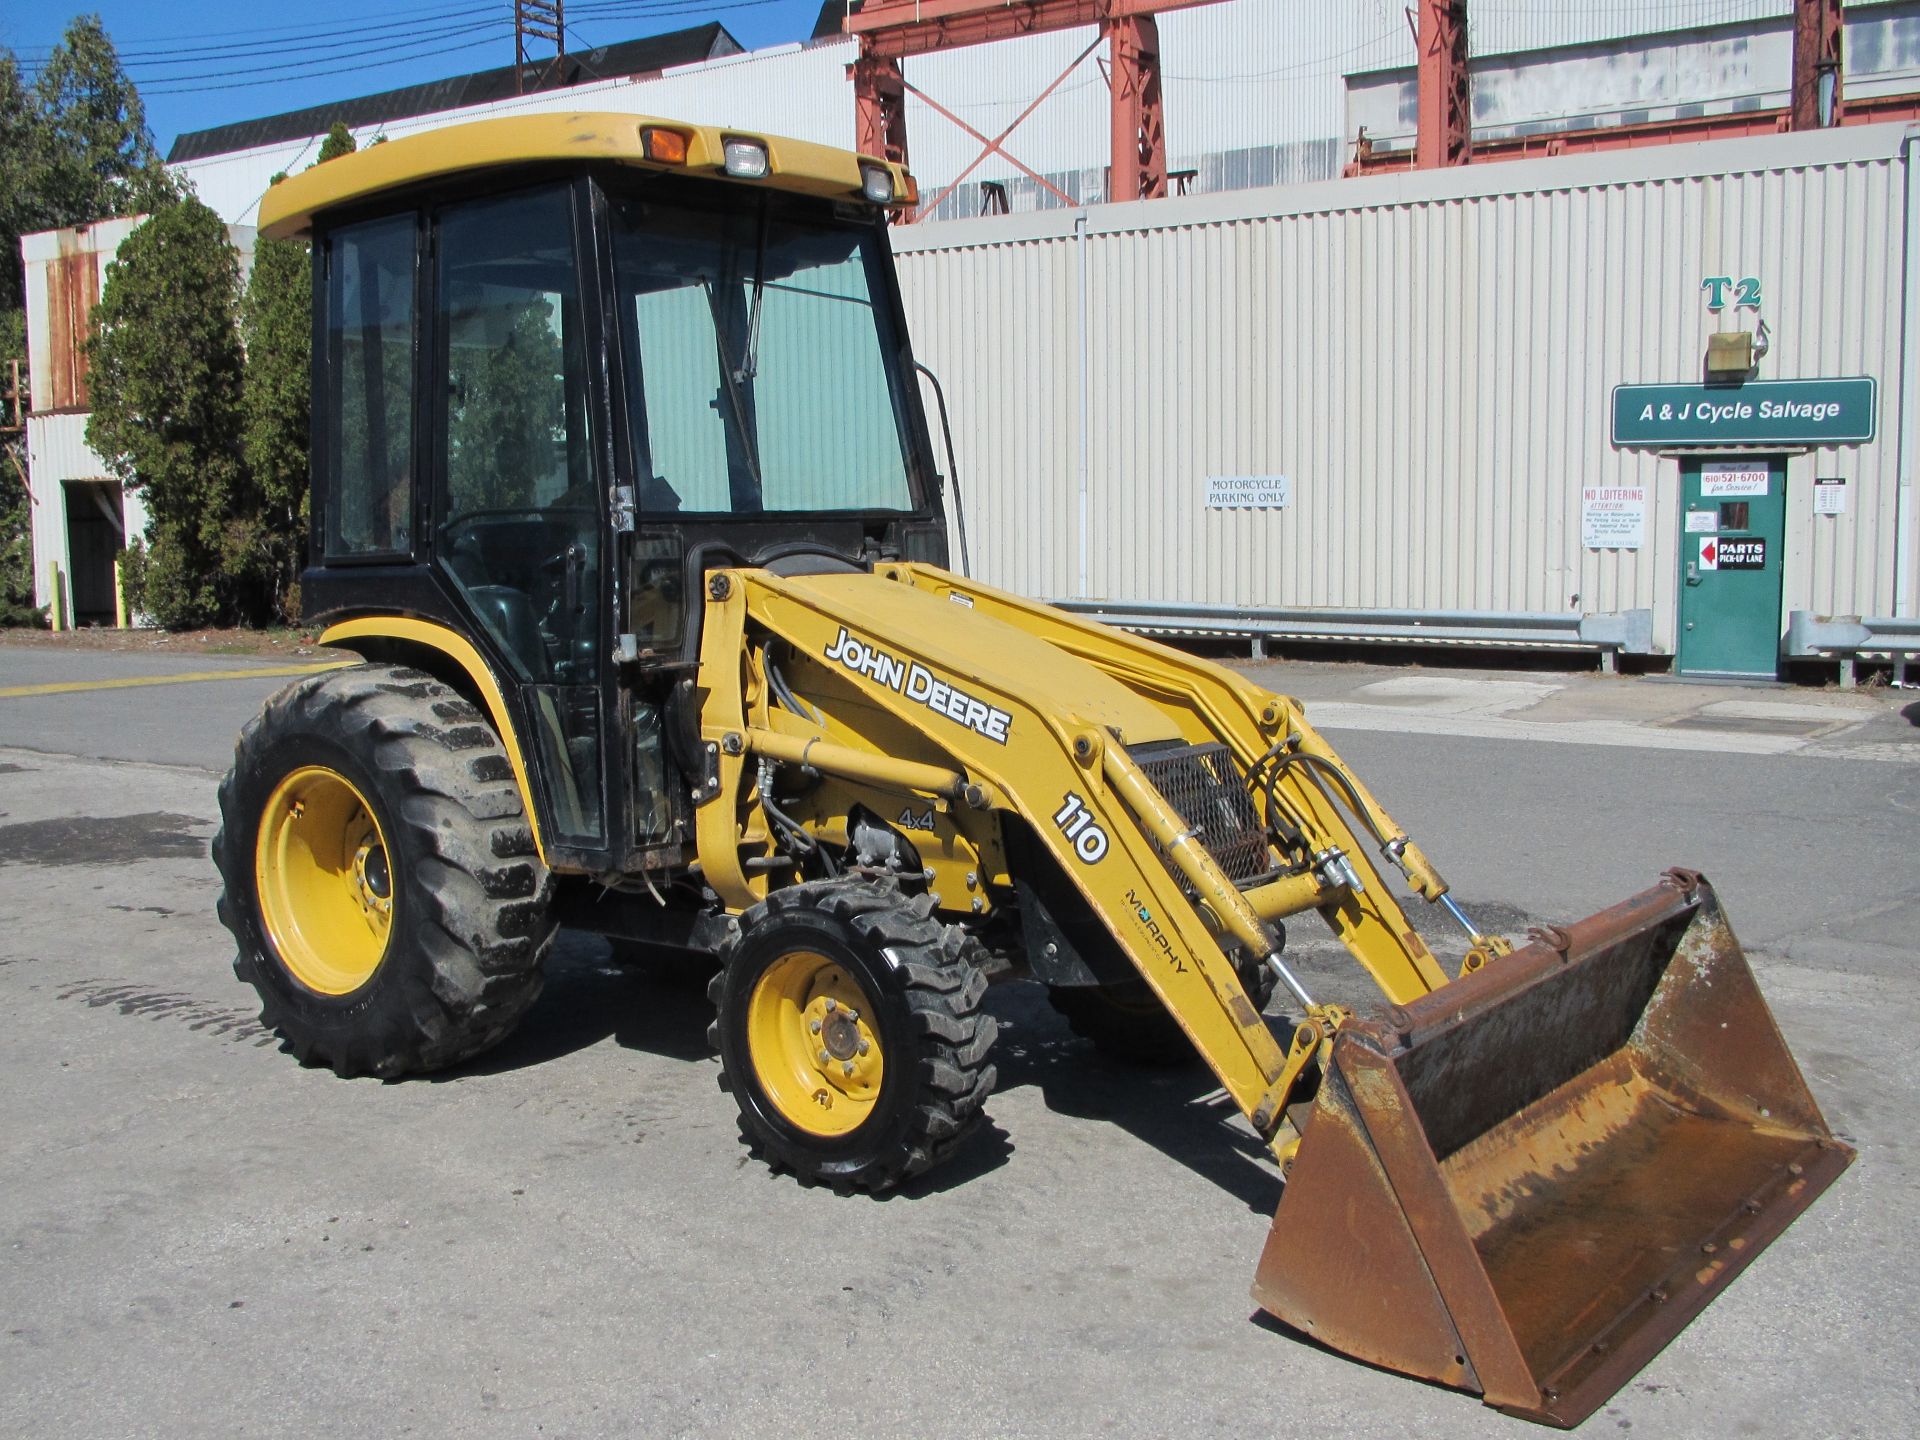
[[746, 159], [876, 183]]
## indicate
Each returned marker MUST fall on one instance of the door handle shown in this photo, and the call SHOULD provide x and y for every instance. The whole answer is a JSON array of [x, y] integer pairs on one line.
[[1693, 573], [576, 559]]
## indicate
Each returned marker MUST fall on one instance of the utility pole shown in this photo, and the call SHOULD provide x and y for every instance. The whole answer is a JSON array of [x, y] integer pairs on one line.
[[536, 20]]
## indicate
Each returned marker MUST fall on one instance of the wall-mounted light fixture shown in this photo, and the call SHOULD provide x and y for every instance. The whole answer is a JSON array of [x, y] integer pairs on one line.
[[1729, 354]]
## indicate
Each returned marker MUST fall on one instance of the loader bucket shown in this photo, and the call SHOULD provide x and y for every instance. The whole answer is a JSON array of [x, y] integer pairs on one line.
[[1527, 1182]]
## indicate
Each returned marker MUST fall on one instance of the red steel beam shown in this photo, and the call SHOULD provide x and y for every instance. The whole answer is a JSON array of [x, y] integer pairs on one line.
[[1816, 64], [913, 27], [995, 146], [879, 108], [891, 30], [1444, 89], [1137, 166]]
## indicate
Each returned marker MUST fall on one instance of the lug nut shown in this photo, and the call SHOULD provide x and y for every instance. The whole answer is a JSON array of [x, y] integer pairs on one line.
[[852, 1014], [847, 1069], [814, 1026], [864, 1047], [825, 1059], [832, 1005]]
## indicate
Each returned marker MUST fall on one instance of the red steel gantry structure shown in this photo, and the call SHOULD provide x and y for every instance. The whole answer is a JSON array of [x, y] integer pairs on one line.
[[891, 30]]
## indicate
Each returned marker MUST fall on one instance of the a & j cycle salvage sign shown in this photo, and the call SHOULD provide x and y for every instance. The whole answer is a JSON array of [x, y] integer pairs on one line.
[[1760, 412]]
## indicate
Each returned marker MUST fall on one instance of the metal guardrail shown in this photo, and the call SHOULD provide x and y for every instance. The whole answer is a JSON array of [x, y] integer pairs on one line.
[[1627, 631], [1847, 637]]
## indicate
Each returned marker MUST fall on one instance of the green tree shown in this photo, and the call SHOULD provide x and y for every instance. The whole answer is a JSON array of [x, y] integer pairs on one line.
[[99, 156], [167, 417], [276, 316], [339, 141], [16, 511]]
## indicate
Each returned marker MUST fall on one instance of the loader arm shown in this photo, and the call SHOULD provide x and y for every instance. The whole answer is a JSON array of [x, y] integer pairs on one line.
[[982, 704]]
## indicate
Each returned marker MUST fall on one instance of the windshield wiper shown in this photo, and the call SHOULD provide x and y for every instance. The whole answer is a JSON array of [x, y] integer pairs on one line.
[[730, 381], [750, 351]]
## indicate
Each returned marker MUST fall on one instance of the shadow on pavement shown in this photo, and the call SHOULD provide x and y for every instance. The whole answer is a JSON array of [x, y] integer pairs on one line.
[[657, 1003], [1179, 1111]]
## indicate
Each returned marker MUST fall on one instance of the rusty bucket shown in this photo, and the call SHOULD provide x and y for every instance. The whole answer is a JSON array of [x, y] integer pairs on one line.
[[1529, 1181]]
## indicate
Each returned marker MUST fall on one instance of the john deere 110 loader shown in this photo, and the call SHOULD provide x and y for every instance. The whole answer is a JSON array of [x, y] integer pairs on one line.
[[624, 491]]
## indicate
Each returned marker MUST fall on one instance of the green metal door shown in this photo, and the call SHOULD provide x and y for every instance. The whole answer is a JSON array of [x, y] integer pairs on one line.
[[1731, 527]]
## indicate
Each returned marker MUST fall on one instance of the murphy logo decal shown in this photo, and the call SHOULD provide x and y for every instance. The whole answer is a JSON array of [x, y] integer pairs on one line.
[[1144, 915], [921, 686]]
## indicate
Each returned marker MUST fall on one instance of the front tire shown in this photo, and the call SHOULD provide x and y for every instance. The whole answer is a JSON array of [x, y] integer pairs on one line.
[[381, 881], [850, 1033]]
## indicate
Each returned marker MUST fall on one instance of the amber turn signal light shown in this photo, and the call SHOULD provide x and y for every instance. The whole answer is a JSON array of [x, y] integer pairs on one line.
[[665, 147]]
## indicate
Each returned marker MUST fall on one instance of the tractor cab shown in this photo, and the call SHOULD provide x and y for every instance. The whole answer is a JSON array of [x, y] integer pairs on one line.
[[565, 365]]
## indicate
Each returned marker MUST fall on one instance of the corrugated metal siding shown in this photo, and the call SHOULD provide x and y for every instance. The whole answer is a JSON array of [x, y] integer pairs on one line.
[[1430, 360], [57, 451], [1497, 28], [798, 90], [1264, 80]]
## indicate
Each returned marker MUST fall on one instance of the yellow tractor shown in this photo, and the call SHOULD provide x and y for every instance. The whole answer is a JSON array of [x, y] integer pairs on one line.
[[625, 493]]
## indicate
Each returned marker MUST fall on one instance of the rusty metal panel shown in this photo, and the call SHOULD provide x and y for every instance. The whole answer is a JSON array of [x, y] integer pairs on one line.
[[73, 288], [1428, 359]]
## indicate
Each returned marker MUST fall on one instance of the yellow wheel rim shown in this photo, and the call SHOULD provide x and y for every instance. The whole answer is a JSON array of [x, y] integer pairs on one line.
[[813, 1046], [325, 880]]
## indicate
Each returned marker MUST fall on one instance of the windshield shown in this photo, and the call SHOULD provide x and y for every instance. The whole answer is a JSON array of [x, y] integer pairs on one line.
[[761, 374]]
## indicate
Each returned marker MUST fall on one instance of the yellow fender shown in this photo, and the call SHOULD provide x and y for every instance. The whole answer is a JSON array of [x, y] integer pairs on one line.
[[456, 647]]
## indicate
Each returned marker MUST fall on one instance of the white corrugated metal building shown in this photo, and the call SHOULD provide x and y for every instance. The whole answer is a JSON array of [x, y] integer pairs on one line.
[[1426, 358], [81, 517]]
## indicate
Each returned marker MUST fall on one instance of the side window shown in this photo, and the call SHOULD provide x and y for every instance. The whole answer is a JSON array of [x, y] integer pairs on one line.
[[370, 389]]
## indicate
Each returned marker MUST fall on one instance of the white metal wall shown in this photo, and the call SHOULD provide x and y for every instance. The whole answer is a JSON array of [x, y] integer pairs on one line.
[[794, 90], [1428, 357], [1239, 75]]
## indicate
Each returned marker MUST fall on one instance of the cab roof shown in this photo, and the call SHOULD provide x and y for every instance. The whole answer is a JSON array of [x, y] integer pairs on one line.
[[799, 166]]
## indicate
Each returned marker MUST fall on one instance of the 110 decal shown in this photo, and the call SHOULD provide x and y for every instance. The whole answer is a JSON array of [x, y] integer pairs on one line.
[[1076, 822]]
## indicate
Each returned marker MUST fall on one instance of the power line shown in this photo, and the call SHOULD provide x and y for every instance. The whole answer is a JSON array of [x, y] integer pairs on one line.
[[354, 69], [305, 30]]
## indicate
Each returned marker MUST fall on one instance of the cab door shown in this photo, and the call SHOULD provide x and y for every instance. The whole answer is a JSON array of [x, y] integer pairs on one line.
[[519, 514]]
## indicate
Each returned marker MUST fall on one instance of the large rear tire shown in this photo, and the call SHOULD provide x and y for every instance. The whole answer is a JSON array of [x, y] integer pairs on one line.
[[381, 880], [850, 1033]]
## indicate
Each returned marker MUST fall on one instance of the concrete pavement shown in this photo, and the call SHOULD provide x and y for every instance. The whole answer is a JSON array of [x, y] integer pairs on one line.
[[564, 1238]]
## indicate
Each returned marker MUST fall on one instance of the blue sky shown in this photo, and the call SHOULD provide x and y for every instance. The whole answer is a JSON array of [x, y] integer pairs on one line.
[[217, 61]]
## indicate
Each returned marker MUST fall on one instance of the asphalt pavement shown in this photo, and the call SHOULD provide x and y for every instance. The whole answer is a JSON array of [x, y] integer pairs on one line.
[[565, 1238]]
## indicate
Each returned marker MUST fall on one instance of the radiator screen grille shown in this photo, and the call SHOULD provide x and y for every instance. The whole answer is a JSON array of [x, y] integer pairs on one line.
[[1207, 788]]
